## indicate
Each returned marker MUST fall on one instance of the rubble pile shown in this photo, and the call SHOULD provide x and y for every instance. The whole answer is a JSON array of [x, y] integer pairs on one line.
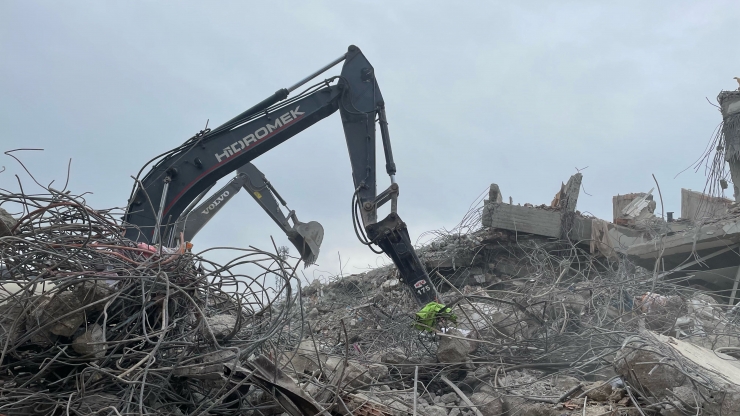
[[531, 322], [92, 323], [542, 326]]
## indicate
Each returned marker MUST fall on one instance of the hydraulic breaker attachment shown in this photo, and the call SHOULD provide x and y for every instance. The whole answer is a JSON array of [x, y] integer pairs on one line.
[[392, 236]]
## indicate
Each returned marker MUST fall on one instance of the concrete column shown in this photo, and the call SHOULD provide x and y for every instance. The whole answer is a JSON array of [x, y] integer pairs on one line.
[[729, 102]]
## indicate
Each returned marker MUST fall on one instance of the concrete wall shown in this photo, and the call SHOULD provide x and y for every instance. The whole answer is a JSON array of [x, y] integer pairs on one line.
[[698, 206]]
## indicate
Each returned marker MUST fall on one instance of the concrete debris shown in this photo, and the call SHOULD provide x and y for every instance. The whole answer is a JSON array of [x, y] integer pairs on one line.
[[7, 223], [697, 206], [93, 323], [306, 359], [91, 343], [94, 294], [489, 405], [391, 284], [540, 318], [668, 369], [62, 313], [209, 366], [452, 348], [220, 326], [660, 312], [552, 313], [639, 209]]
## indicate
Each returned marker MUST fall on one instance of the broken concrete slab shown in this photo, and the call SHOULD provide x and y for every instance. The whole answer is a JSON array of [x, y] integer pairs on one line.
[[532, 220], [353, 374], [12, 321], [391, 285], [676, 247], [489, 405], [453, 348], [697, 206], [665, 366], [91, 343], [220, 325], [660, 313], [305, 358], [729, 102], [7, 222], [62, 314], [631, 209], [558, 220], [92, 293], [569, 193]]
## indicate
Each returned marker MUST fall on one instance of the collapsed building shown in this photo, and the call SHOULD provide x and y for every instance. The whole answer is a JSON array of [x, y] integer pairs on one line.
[[542, 311]]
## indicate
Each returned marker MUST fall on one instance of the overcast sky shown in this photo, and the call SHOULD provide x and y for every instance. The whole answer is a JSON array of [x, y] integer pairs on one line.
[[517, 93]]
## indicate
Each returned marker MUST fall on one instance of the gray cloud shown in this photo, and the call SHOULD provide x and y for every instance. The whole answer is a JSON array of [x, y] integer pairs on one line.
[[518, 93]]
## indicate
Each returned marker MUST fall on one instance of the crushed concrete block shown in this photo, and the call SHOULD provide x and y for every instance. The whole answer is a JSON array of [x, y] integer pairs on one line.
[[660, 363], [494, 194], [598, 391], [660, 312], [312, 289], [7, 222], [574, 302], [390, 285], [305, 359], [91, 342], [452, 350], [221, 325], [361, 404], [489, 405], [434, 411], [354, 374], [34, 318], [395, 356], [662, 377], [91, 291], [490, 321], [378, 371], [517, 406], [313, 314], [12, 321], [63, 312]]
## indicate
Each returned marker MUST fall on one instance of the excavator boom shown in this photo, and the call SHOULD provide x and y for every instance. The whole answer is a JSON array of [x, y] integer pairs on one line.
[[184, 173]]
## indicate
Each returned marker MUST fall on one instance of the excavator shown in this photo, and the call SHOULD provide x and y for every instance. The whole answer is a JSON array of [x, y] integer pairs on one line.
[[170, 201]]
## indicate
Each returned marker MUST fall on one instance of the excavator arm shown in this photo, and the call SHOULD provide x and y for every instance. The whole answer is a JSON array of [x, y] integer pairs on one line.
[[181, 175], [306, 237]]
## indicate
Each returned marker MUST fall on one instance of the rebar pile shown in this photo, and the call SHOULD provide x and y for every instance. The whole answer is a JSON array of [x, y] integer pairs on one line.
[[558, 312], [91, 322]]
